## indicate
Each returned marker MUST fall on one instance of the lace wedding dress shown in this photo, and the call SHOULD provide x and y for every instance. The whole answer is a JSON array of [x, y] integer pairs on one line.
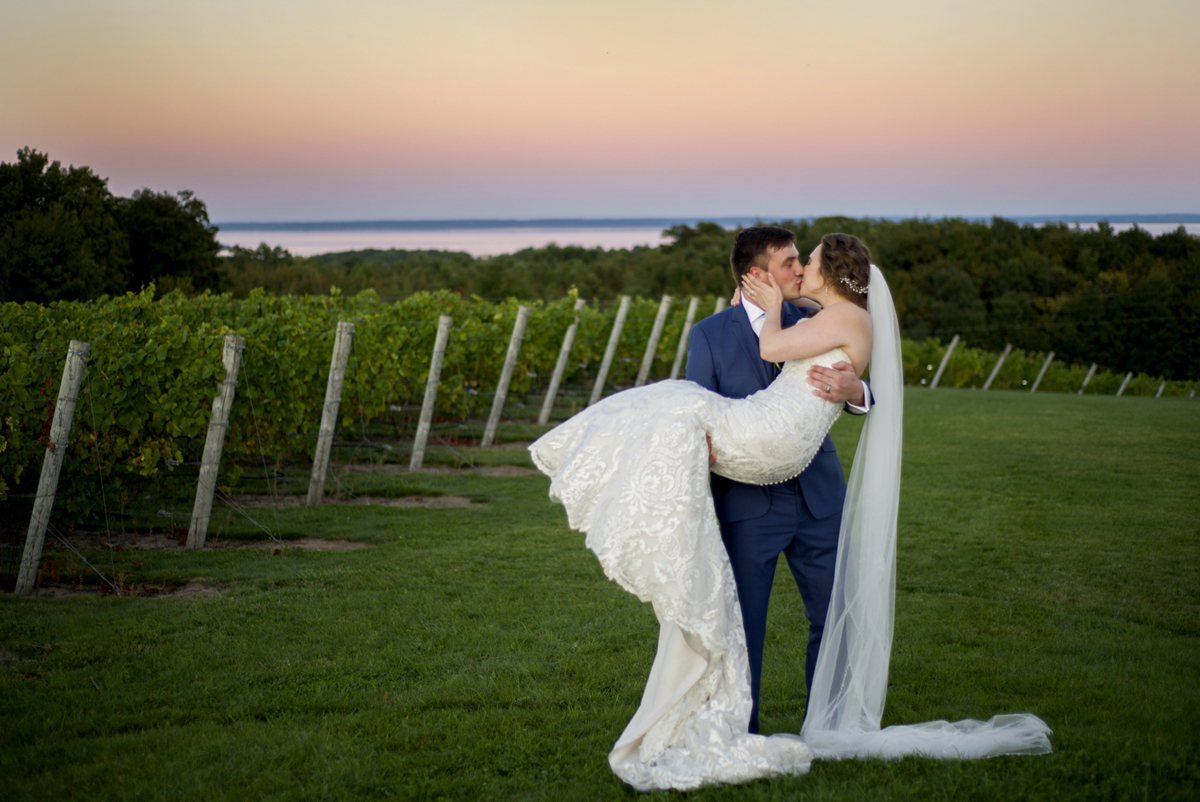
[[632, 472]]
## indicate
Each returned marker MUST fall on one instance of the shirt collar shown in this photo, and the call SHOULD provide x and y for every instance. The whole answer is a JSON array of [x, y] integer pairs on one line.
[[753, 311]]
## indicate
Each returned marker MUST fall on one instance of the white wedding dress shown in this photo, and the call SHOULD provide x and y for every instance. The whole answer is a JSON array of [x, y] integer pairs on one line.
[[632, 472]]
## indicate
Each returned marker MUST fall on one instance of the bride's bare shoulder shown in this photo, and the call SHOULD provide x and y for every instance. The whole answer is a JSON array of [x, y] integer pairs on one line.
[[849, 315], [853, 324]]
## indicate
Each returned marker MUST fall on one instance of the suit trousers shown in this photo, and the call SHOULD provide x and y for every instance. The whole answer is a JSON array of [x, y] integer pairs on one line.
[[810, 546]]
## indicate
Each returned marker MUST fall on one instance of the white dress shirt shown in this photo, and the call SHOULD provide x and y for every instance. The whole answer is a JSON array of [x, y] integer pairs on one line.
[[758, 318]]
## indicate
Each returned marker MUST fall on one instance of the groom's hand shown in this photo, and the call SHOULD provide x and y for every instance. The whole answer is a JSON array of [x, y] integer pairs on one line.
[[712, 458], [837, 384]]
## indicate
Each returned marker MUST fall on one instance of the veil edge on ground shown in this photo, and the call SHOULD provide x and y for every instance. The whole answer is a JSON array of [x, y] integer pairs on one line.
[[849, 686]]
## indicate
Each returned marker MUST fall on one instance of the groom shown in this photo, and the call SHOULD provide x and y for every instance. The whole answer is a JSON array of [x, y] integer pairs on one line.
[[799, 519]]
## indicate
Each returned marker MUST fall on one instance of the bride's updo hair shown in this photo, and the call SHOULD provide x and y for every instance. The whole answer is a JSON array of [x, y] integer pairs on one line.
[[846, 263]]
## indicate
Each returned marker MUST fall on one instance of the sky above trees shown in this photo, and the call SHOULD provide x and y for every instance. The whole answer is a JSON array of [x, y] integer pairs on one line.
[[273, 110]]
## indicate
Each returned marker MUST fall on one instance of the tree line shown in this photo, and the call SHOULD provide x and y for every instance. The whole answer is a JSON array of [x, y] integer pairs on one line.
[[64, 236], [1127, 300]]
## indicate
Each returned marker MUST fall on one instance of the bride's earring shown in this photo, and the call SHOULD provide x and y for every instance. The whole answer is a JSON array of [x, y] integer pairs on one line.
[[826, 290]]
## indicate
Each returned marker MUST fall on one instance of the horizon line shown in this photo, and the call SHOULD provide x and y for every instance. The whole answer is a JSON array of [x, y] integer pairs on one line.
[[665, 222]]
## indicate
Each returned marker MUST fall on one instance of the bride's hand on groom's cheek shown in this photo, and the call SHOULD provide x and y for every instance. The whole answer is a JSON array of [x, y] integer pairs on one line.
[[765, 294]]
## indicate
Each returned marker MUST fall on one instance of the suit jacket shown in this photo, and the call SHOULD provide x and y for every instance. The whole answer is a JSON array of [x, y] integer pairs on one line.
[[723, 357]]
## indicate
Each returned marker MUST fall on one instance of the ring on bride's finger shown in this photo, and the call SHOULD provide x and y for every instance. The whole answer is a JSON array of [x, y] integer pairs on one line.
[[828, 387]]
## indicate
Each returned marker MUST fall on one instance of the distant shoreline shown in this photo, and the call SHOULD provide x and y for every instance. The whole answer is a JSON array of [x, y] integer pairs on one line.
[[477, 225], [483, 238], [656, 222]]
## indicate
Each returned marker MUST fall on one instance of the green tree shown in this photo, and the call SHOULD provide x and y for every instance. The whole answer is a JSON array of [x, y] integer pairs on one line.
[[264, 255], [59, 233], [171, 242]]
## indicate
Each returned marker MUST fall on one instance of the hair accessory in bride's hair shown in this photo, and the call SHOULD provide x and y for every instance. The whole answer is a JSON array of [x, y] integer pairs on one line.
[[853, 285]]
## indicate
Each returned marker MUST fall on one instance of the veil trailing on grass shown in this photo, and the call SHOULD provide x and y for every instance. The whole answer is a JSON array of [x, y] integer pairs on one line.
[[850, 682]]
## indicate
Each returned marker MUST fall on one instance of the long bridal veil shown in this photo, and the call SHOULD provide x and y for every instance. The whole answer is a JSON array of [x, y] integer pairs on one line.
[[850, 683]]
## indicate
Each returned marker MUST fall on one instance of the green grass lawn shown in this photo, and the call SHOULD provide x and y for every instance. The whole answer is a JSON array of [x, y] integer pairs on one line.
[[1048, 562]]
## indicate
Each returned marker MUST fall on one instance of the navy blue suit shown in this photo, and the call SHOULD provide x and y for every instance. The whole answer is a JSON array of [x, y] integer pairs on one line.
[[799, 519]]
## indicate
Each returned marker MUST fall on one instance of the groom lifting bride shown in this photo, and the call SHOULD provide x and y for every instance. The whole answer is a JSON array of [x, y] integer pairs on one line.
[[767, 380], [800, 518]]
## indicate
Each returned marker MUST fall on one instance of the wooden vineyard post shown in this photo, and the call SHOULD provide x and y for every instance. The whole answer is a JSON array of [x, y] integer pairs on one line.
[[611, 350], [1091, 372], [431, 387], [681, 351], [720, 307], [652, 344], [1128, 376], [214, 442], [1161, 387], [937, 377], [510, 361], [56, 449], [561, 365], [996, 370], [329, 413], [1042, 372]]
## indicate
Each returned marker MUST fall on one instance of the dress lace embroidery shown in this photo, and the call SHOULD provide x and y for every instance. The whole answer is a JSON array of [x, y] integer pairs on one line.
[[632, 472]]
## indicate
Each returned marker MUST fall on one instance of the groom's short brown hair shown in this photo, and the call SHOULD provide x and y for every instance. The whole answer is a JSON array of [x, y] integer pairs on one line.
[[753, 247]]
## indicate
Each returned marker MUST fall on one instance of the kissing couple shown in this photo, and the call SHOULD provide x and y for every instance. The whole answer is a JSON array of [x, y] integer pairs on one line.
[[689, 491]]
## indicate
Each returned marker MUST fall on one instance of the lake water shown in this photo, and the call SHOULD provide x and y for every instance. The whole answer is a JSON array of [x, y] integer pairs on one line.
[[496, 239], [477, 242]]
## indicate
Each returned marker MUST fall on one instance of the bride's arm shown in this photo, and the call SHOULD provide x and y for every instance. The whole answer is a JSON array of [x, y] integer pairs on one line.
[[835, 327], [841, 326]]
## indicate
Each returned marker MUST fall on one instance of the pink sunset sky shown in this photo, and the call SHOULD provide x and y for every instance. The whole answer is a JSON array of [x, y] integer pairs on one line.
[[431, 109]]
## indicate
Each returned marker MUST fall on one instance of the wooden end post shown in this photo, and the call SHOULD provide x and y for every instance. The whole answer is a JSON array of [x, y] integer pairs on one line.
[[1042, 372], [937, 377], [510, 361], [329, 413], [611, 350], [652, 344], [1161, 387], [560, 366], [996, 370], [1091, 372], [720, 306], [214, 442], [1124, 382], [681, 351], [431, 387], [56, 449]]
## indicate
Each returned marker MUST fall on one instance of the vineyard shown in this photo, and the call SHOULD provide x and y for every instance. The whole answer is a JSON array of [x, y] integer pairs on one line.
[[346, 672], [154, 366]]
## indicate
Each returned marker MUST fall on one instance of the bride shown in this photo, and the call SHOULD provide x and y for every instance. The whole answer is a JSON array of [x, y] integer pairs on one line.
[[633, 474]]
